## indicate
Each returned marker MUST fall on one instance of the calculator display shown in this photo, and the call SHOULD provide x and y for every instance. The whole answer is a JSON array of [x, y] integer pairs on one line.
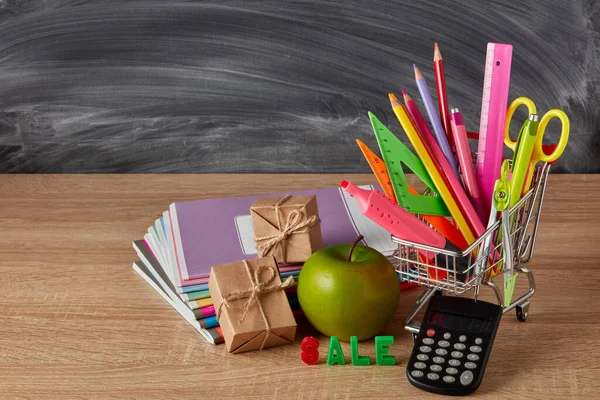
[[460, 322]]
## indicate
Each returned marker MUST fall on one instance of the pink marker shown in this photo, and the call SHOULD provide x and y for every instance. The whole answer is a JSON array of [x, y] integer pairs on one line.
[[463, 151], [393, 218]]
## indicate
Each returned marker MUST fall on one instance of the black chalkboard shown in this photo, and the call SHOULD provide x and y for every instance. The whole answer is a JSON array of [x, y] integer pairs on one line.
[[268, 86]]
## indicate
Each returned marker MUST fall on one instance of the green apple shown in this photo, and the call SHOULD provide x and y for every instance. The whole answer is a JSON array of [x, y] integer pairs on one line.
[[348, 290]]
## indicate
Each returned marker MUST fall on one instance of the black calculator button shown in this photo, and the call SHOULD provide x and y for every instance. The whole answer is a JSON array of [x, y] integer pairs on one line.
[[433, 376], [435, 368], [462, 338], [475, 349], [417, 374], [472, 357], [439, 360], [466, 378], [424, 357], [444, 343], [459, 346], [428, 341], [447, 335], [449, 379], [470, 365], [451, 371], [478, 340], [420, 365], [454, 363], [456, 354], [441, 352], [425, 349]]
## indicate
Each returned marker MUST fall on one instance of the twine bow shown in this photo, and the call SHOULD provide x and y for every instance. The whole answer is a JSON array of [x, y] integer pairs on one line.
[[292, 226], [253, 294]]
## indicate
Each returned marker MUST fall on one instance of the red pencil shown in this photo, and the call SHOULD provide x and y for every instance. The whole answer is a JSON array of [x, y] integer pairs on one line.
[[442, 95]]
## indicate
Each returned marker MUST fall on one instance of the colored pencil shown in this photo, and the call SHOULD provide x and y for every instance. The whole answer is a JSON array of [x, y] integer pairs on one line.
[[433, 167], [456, 189], [438, 129], [440, 85], [463, 151]]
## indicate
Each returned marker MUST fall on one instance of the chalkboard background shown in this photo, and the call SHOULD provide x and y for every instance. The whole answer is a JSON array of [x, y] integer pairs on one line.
[[268, 86]]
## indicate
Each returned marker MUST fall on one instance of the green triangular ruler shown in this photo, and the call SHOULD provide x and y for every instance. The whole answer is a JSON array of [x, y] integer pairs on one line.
[[395, 154]]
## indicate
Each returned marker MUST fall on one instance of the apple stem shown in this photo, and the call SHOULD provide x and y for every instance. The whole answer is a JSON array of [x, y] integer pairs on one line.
[[358, 239]]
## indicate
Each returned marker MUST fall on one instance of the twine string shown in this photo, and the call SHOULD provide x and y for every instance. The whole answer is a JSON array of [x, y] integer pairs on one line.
[[257, 288], [293, 225]]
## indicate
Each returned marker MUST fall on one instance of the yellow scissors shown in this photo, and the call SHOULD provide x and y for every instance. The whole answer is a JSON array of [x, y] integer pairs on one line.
[[538, 153]]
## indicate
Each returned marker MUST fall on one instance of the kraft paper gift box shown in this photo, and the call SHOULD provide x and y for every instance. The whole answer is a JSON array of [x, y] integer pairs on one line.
[[287, 228], [251, 305]]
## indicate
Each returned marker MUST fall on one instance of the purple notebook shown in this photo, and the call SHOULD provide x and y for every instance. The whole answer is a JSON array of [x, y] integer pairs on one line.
[[218, 231]]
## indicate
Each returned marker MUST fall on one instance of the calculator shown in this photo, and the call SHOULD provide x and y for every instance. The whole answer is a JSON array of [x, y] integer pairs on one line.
[[453, 345]]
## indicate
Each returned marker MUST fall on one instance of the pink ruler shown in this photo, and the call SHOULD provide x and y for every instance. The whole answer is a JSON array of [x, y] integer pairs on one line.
[[493, 121]]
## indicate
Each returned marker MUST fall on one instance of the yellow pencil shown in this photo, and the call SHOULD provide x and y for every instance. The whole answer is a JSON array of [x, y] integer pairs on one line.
[[432, 167]]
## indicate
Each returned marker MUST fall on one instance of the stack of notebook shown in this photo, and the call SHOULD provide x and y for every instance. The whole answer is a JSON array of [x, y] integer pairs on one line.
[[178, 251]]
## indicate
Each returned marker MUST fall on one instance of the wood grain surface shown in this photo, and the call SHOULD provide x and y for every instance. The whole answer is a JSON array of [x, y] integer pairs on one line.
[[77, 322]]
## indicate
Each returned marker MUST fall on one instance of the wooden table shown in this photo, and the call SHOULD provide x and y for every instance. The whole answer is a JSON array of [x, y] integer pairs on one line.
[[77, 322]]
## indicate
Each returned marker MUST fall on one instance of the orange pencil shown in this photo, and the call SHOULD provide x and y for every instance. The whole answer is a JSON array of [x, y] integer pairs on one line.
[[442, 95]]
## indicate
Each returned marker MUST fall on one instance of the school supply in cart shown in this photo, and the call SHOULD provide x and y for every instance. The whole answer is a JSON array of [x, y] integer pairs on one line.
[[509, 198], [492, 123], [438, 129], [528, 151], [532, 141]]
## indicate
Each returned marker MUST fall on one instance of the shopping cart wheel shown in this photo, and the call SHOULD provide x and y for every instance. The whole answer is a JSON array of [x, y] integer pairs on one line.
[[522, 312]]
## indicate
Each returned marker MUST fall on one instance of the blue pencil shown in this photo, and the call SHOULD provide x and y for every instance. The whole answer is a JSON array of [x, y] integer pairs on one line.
[[434, 118]]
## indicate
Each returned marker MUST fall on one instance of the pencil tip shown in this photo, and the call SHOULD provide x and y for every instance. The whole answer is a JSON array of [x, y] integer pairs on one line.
[[394, 100], [406, 96], [418, 74], [437, 56]]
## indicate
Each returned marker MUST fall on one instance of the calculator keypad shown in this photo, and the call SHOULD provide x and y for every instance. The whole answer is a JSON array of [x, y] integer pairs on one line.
[[475, 349], [454, 344], [459, 346], [433, 376], [441, 352], [466, 378], [454, 363], [447, 364], [470, 365], [420, 365]]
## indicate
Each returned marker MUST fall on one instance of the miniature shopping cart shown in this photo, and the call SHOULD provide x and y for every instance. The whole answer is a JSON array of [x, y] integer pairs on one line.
[[506, 245]]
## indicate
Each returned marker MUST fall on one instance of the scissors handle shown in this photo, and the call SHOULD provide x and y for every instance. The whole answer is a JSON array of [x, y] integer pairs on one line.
[[562, 141], [521, 101]]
